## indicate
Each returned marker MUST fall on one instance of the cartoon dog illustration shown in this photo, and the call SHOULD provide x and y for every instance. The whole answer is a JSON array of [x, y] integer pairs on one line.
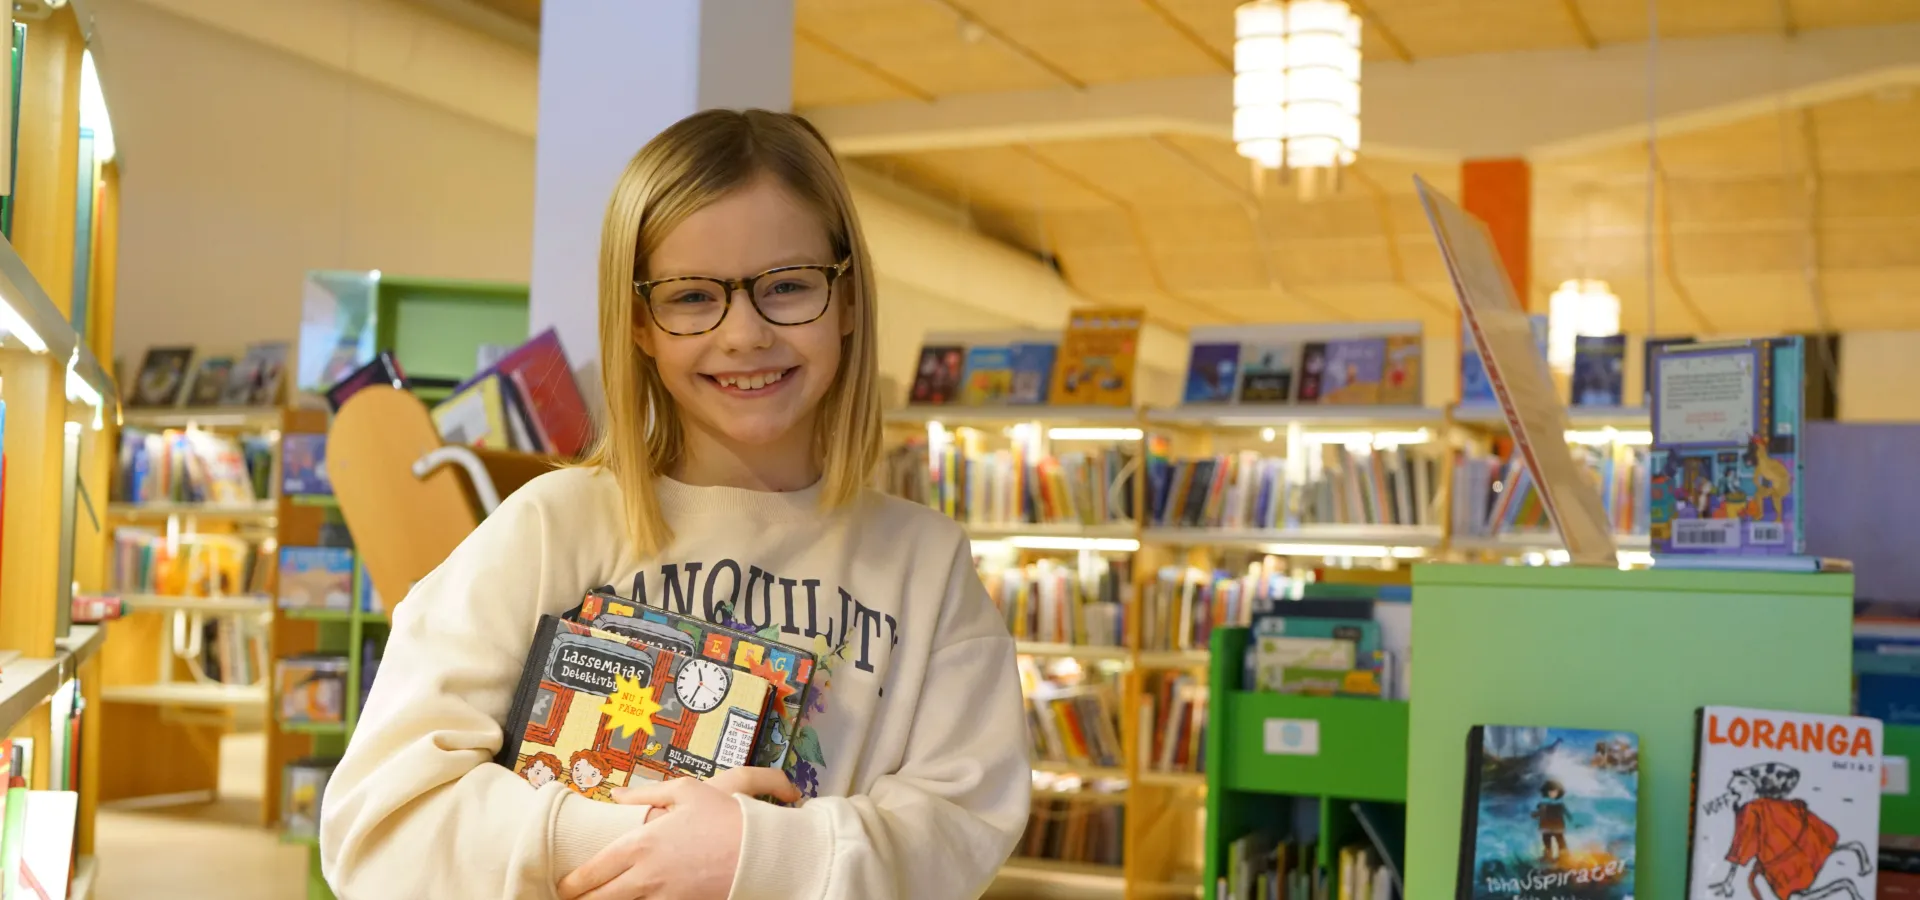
[[1787, 844]]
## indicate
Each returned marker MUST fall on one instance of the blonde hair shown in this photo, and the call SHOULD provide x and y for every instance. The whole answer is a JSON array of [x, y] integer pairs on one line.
[[693, 163]]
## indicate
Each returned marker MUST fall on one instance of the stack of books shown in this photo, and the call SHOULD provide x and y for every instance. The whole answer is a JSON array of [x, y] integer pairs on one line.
[[1083, 602], [1495, 496], [1012, 487], [1183, 605], [1340, 485], [1071, 831], [192, 466], [1173, 724]]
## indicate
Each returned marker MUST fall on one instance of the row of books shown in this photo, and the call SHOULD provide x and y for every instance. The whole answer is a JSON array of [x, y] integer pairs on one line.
[[1069, 831], [1183, 605], [1073, 715], [36, 827], [1092, 364], [191, 466], [229, 649], [1277, 369], [1010, 487], [1494, 495], [1173, 723], [1258, 868], [168, 376], [145, 561], [527, 401], [1337, 485], [1052, 601]]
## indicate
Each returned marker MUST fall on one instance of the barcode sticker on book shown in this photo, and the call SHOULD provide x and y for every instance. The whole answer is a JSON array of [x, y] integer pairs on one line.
[[1706, 533], [1771, 533]]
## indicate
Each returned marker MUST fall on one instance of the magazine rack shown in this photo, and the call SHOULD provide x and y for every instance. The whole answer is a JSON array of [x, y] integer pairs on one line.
[[1599, 648]]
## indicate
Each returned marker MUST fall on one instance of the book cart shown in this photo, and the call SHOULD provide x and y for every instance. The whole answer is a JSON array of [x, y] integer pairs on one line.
[[1177, 819]]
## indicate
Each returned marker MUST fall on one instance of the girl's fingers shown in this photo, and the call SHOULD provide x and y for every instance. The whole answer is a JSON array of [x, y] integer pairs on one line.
[[662, 793], [629, 886], [762, 782]]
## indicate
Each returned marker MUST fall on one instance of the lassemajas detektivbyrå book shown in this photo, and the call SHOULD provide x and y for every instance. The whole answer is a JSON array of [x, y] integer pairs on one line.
[[1549, 814], [1786, 806]]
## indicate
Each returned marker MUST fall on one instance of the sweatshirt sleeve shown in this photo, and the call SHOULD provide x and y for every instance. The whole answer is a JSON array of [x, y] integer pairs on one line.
[[416, 806], [940, 826]]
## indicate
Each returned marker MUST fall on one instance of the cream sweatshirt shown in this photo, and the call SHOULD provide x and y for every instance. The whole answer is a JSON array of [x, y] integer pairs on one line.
[[913, 750]]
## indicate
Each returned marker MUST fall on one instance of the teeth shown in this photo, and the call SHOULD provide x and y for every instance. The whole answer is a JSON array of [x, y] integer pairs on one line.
[[751, 382]]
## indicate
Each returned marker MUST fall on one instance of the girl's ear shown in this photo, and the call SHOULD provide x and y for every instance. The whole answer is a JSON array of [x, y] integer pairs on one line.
[[847, 312], [643, 331]]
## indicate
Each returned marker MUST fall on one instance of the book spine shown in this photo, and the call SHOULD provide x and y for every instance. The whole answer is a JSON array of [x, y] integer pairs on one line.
[[515, 728], [1470, 813], [1693, 795]]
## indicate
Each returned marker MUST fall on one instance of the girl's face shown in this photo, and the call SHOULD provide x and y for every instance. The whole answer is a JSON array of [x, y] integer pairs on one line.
[[713, 376], [538, 774], [586, 776]]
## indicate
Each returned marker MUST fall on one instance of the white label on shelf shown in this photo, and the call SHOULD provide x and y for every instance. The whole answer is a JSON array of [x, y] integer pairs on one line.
[[1893, 775], [1293, 737]]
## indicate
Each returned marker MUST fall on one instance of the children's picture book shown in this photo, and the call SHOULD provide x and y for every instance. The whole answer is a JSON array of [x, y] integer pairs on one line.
[[384, 369], [989, 375], [316, 578], [1032, 372], [303, 465], [1786, 805], [257, 379], [1400, 383], [1267, 372], [595, 711], [303, 785], [163, 374], [788, 669], [936, 382], [1353, 371], [1313, 372], [1211, 371], [539, 374], [1096, 361], [475, 416], [1599, 369], [1725, 461], [312, 689], [1549, 814], [209, 381]]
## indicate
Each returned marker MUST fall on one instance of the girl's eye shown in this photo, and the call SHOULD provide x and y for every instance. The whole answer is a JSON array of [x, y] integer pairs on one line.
[[787, 287], [690, 295]]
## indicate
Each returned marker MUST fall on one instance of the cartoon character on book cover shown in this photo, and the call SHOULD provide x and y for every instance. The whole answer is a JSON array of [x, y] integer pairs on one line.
[[1267, 372], [1353, 372], [1551, 814], [1210, 373], [1726, 423], [1787, 806], [937, 380]]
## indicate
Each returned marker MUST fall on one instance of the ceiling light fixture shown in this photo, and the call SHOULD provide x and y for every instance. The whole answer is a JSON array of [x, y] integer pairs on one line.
[[1581, 307], [1296, 87]]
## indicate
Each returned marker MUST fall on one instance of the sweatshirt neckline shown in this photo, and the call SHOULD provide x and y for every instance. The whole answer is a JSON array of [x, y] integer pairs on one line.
[[679, 498]]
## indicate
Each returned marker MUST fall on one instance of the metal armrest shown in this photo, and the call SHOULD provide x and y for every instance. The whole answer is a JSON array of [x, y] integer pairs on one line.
[[465, 458]]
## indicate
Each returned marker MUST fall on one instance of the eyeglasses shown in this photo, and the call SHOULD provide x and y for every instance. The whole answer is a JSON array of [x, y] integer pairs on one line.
[[693, 304]]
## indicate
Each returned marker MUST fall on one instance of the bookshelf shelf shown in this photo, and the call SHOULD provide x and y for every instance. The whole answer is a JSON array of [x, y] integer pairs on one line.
[[1071, 651], [315, 728], [1114, 530], [263, 511], [1362, 746], [1091, 773], [322, 501], [80, 644], [25, 684], [85, 870], [300, 840], [1186, 781], [255, 417], [1624, 418], [1303, 540], [1182, 888], [1172, 659], [319, 615], [1282, 416], [209, 605], [1109, 798], [1085, 876], [966, 416], [1520, 543], [212, 696]]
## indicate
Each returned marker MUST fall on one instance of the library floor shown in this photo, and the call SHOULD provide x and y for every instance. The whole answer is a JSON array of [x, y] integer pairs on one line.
[[218, 851]]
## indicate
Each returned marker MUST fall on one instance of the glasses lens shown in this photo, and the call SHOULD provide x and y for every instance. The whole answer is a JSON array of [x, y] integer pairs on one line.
[[688, 305], [792, 296]]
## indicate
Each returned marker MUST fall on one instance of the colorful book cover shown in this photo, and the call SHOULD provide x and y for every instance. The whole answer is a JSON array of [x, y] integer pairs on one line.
[[1353, 372], [1400, 384], [316, 578], [1267, 372], [303, 464], [163, 373], [540, 371], [936, 382], [1725, 461], [384, 369], [989, 376], [1549, 814], [210, 381], [789, 670], [303, 786], [1313, 372], [1599, 369], [1786, 800], [1211, 370], [595, 711], [1032, 372], [475, 416], [1475, 388], [1648, 350], [1096, 362], [257, 380]]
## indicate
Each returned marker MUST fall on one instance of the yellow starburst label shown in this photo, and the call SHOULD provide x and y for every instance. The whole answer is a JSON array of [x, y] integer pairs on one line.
[[630, 707]]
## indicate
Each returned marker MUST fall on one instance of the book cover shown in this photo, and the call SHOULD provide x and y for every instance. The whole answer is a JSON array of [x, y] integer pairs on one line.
[[384, 369], [1599, 370], [257, 379], [303, 786], [316, 578], [475, 416], [163, 373], [1648, 349], [595, 711], [540, 371], [1313, 372], [1267, 372], [1096, 361], [1549, 814], [1786, 800], [210, 381], [787, 669], [1400, 384], [1725, 461], [936, 381], [1210, 373], [1032, 372], [46, 852], [989, 376], [303, 465], [1475, 387], [1353, 371]]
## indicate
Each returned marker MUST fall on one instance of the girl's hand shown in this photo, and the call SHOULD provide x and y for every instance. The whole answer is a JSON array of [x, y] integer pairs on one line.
[[694, 859], [754, 781]]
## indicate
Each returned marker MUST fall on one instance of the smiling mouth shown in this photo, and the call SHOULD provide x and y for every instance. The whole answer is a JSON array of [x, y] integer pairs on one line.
[[750, 382]]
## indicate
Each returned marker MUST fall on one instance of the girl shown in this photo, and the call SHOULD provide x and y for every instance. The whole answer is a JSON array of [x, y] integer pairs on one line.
[[738, 361]]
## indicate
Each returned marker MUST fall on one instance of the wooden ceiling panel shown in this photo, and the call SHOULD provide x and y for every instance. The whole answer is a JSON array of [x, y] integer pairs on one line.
[[1099, 41], [1225, 268], [1884, 288], [1141, 171], [920, 43], [1891, 246], [823, 77], [1878, 132], [1457, 27], [1881, 195], [1332, 261], [1753, 304], [1004, 177], [1852, 13], [1720, 253], [1625, 21], [1108, 271], [1267, 305], [1198, 227], [526, 11], [1349, 215], [1211, 21], [1092, 229]]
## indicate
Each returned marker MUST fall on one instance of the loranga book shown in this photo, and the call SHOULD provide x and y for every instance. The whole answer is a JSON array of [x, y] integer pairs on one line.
[[1786, 800], [595, 711], [1549, 814]]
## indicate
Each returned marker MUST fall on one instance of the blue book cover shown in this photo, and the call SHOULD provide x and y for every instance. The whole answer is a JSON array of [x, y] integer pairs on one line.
[[1475, 388], [1032, 373], [1725, 462], [989, 376], [1599, 370], [316, 578], [1212, 373], [303, 465], [1549, 814]]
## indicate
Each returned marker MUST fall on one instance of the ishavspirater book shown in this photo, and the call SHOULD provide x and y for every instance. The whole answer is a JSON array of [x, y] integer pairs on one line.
[[1549, 814]]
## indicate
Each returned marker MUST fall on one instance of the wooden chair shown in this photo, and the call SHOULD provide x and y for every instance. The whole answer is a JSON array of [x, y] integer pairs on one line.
[[407, 497]]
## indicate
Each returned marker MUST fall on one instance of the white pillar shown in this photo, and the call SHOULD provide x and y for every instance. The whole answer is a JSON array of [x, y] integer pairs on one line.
[[613, 73]]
